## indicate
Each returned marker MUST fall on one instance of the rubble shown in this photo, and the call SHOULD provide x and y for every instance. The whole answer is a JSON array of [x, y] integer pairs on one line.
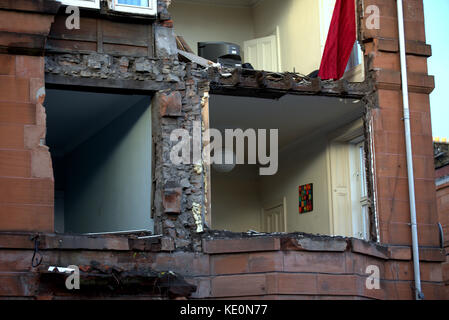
[[98, 279]]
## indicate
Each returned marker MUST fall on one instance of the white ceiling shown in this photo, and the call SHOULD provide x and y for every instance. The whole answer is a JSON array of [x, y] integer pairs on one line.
[[296, 117], [226, 3], [74, 116]]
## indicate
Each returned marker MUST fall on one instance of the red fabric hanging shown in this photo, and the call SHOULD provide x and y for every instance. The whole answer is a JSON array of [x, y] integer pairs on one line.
[[340, 41]]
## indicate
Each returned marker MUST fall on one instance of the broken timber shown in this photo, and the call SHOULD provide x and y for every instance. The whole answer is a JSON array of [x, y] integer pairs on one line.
[[245, 82]]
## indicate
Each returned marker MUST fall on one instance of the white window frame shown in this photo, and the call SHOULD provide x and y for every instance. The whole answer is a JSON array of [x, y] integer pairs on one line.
[[359, 190], [363, 192], [150, 10], [94, 4]]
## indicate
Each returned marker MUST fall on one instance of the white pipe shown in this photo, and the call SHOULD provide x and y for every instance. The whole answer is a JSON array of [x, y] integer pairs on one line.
[[408, 145]]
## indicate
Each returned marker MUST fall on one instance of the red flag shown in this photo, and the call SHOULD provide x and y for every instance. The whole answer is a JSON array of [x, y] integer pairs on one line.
[[340, 41]]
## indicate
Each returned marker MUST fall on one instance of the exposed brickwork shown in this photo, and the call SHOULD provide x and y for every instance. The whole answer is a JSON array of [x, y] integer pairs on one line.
[[245, 268], [381, 51], [177, 103], [177, 188]]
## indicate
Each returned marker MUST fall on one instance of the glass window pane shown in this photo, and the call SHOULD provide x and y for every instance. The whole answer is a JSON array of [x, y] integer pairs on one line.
[[140, 3]]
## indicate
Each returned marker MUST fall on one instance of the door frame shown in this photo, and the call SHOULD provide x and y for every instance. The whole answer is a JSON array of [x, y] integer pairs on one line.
[[341, 139], [275, 50], [271, 205]]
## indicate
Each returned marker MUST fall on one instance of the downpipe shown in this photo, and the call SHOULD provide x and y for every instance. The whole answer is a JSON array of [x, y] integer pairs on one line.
[[408, 144]]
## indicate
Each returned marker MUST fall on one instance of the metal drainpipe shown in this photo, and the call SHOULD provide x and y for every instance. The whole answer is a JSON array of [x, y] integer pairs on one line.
[[408, 145]]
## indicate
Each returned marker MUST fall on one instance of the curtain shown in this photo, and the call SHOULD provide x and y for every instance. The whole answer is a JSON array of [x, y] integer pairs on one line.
[[141, 3], [340, 41]]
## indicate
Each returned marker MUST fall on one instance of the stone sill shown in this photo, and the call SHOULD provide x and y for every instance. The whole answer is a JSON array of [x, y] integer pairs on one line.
[[214, 246], [317, 244], [413, 47], [391, 80], [48, 241]]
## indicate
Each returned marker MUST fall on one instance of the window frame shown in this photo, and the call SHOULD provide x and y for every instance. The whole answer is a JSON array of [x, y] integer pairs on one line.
[[364, 200], [150, 10], [93, 4]]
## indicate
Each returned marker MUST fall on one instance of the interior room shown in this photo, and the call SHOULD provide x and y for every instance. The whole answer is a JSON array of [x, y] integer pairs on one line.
[[278, 36], [321, 157], [100, 144]]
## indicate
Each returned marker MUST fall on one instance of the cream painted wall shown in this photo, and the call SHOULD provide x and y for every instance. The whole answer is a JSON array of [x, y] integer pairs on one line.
[[299, 24], [301, 164], [200, 22], [299, 31], [236, 205], [238, 197]]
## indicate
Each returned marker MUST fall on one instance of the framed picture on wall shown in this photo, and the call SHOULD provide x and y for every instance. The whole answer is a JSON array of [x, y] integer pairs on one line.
[[306, 198]]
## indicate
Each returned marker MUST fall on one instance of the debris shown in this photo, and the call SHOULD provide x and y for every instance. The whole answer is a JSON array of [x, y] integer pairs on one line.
[[199, 60], [198, 168], [196, 210], [97, 279], [124, 233], [151, 237], [61, 269], [255, 233], [182, 45]]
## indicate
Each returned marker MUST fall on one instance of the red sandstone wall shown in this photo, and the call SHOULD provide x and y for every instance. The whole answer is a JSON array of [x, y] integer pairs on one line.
[[26, 177], [257, 268], [388, 127]]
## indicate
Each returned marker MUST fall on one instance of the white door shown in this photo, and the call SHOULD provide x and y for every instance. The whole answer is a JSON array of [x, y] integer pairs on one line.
[[350, 204], [341, 189], [262, 53], [273, 219]]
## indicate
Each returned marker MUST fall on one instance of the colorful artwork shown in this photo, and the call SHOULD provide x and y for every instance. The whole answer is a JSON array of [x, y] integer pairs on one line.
[[306, 198]]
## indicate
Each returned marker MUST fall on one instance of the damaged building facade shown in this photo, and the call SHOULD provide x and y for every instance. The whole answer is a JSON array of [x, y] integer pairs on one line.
[[87, 117]]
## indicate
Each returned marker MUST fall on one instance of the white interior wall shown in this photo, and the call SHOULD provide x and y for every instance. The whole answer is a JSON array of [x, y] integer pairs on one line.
[[300, 164], [299, 22], [326, 12], [108, 177], [198, 22], [299, 31], [238, 197], [236, 203]]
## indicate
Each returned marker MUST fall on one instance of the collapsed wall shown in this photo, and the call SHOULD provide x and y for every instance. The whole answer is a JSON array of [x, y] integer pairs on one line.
[[184, 261]]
